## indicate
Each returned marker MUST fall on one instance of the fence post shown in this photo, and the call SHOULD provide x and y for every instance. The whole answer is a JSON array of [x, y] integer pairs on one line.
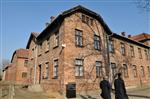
[[10, 92], [0, 93]]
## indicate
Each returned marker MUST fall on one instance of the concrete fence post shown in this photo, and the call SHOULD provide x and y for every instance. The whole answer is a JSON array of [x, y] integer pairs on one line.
[[10, 92], [0, 93]]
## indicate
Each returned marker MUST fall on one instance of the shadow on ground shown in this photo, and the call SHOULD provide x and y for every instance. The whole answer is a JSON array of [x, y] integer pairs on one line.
[[140, 96]]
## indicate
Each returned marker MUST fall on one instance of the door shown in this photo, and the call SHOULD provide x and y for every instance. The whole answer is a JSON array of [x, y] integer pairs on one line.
[[40, 74]]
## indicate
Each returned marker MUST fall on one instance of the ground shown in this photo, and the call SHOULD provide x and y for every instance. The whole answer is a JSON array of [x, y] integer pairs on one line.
[[24, 93]]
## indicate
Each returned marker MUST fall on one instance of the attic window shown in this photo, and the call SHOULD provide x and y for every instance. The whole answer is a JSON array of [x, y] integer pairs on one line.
[[83, 18], [86, 19]]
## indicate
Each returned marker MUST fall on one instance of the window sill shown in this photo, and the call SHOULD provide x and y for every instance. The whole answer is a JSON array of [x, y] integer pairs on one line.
[[55, 47], [79, 77], [46, 51]]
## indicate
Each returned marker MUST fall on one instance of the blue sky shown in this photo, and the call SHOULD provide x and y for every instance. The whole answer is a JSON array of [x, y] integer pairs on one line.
[[21, 17]]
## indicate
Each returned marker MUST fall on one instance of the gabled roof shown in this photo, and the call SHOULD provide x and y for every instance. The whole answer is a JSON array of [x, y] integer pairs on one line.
[[129, 40], [21, 53], [140, 37], [32, 36], [66, 13]]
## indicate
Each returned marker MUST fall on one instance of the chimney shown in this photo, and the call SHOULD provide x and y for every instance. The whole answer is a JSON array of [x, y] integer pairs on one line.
[[123, 33], [129, 36], [52, 18], [46, 24]]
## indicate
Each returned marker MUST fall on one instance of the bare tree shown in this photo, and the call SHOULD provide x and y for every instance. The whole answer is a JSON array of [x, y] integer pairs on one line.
[[144, 4], [4, 63]]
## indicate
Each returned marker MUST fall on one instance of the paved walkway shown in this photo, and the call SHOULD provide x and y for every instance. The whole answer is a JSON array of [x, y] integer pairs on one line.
[[137, 93]]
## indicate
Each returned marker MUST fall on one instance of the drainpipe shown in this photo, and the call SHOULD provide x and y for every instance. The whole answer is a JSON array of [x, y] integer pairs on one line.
[[35, 63], [108, 57]]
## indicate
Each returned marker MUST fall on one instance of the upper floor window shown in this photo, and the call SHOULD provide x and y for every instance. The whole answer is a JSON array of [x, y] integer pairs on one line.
[[122, 48], [111, 46], [32, 52], [114, 69], [56, 41], [26, 63], [40, 48], [134, 70], [24, 74], [132, 51], [140, 53], [146, 54], [47, 47], [98, 68], [142, 71], [79, 67], [125, 70], [97, 43], [78, 38], [55, 70]]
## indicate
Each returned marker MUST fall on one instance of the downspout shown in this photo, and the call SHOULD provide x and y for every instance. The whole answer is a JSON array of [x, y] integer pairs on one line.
[[35, 62], [108, 58]]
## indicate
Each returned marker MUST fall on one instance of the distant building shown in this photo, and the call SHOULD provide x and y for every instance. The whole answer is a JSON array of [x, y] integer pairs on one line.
[[17, 71], [143, 38]]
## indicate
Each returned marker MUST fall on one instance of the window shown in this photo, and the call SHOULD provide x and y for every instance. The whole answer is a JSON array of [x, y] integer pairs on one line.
[[83, 18], [148, 70], [98, 69], [114, 69], [55, 70], [78, 38], [134, 71], [47, 45], [142, 71], [111, 46], [122, 48], [91, 22], [132, 51], [125, 70], [24, 75], [32, 52], [146, 54], [88, 20], [79, 67], [140, 53], [26, 63], [46, 71], [40, 48], [97, 42], [56, 39]]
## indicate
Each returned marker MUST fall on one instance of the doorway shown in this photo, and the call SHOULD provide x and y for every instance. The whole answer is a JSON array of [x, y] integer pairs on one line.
[[40, 74]]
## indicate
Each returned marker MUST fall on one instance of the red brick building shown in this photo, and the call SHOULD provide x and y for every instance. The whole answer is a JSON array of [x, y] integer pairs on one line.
[[17, 71], [78, 47], [143, 38]]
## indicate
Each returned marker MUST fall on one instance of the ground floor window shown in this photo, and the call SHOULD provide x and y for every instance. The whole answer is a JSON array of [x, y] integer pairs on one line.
[[55, 70], [125, 70], [134, 70], [79, 67], [98, 68], [142, 71], [114, 69], [148, 70]]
